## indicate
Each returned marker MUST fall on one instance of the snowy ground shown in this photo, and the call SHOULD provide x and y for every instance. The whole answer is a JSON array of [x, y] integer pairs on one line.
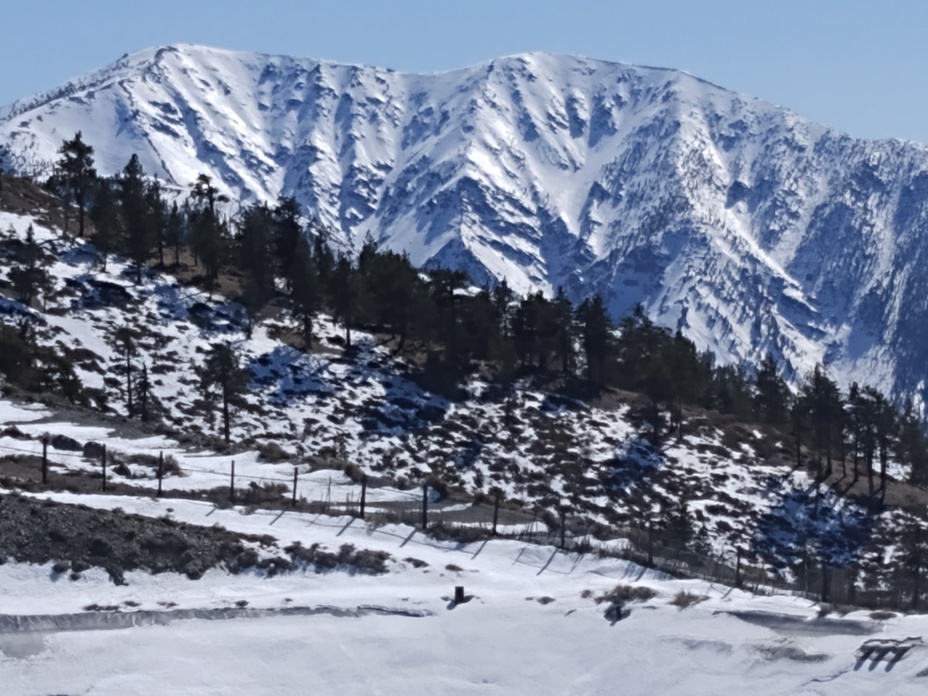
[[502, 641]]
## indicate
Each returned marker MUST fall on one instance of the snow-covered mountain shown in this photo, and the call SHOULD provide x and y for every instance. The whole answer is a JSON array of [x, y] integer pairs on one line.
[[746, 226]]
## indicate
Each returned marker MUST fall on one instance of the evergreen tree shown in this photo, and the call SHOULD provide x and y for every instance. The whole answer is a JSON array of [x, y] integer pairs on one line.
[[595, 330], [208, 232], [306, 293], [912, 444], [77, 173], [771, 399], [562, 317], [136, 214], [157, 213], [287, 234], [345, 293], [222, 378], [4, 163], [175, 231], [824, 409], [143, 389], [109, 230], [124, 343], [256, 261], [28, 277]]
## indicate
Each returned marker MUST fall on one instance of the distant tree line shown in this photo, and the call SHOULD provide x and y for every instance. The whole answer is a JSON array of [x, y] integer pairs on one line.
[[450, 329]]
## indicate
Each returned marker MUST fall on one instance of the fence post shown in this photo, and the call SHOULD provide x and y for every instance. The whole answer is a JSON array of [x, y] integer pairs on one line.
[[45, 459], [425, 506], [160, 471], [495, 513], [103, 457], [650, 542], [737, 567], [232, 483], [363, 495], [826, 583], [563, 527], [293, 499]]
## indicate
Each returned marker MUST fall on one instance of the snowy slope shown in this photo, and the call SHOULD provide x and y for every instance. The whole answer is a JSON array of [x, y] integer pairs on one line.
[[748, 227], [332, 409], [532, 625]]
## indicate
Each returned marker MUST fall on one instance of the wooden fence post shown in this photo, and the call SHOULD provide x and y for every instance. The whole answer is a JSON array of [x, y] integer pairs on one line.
[[563, 526], [650, 542], [737, 567], [293, 498], [160, 471], [45, 459], [425, 506], [495, 513], [826, 583], [103, 457], [363, 495], [232, 483]]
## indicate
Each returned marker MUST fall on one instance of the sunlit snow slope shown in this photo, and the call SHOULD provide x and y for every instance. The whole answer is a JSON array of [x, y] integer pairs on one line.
[[733, 219]]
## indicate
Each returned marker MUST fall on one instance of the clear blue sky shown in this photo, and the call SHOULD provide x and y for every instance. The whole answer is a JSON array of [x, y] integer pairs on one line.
[[855, 65]]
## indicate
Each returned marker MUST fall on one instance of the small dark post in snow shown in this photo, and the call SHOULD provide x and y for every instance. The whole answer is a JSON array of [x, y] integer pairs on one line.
[[363, 495], [495, 513], [103, 458], [737, 567], [425, 505], [826, 583], [459, 594], [160, 471], [563, 527], [45, 459], [232, 483], [650, 542], [293, 498]]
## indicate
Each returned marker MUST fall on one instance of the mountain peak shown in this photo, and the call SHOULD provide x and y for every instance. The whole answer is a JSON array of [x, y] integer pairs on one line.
[[734, 220]]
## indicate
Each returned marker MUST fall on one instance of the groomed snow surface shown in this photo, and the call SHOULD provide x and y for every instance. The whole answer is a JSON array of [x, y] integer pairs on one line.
[[502, 641]]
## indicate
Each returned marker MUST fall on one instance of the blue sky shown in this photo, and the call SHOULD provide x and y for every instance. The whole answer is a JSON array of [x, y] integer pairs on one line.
[[858, 66]]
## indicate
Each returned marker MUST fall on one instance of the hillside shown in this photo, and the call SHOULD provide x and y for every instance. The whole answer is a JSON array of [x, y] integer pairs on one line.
[[186, 564], [746, 226], [590, 467]]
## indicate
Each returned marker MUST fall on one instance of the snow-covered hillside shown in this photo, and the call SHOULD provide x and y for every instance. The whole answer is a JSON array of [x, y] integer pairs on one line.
[[748, 227], [535, 618], [360, 409]]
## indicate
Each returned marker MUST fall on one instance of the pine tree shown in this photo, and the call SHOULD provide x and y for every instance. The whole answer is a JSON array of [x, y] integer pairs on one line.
[[135, 212], [256, 262], [109, 230], [771, 400], [208, 233], [157, 214], [345, 293], [222, 378], [124, 342], [175, 231], [595, 332], [306, 292], [78, 173], [28, 278], [4, 163], [286, 236]]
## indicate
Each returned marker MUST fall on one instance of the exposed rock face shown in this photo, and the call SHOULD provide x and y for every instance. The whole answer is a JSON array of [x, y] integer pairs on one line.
[[744, 225]]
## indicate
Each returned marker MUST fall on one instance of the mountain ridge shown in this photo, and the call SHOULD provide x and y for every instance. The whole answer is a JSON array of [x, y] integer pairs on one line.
[[747, 227]]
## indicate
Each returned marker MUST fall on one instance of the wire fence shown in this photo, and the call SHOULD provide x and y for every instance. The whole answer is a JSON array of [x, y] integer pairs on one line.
[[487, 517]]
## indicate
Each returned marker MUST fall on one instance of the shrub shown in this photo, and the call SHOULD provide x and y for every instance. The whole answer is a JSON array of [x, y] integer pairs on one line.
[[626, 593], [687, 599]]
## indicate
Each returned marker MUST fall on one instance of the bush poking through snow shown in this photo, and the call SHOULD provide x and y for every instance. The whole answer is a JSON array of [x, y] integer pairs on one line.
[[685, 599], [626, 593]]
